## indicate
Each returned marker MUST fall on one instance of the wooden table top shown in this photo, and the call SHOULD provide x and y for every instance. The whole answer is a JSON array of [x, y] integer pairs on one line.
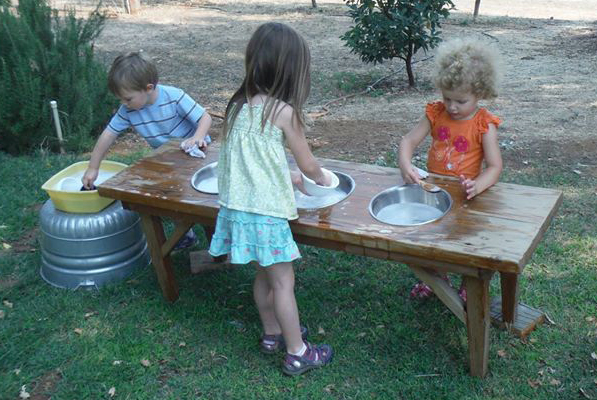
[[498, 230]]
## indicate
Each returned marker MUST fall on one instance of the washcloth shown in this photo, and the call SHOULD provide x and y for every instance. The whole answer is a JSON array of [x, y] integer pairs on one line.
[[193, 151], [422, 173]]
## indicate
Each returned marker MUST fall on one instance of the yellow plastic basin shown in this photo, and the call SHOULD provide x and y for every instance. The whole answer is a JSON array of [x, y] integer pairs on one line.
[[64, 187]]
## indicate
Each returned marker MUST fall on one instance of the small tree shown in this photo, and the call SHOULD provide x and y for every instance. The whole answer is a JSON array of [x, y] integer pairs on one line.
[[387, 29], [46, 57]]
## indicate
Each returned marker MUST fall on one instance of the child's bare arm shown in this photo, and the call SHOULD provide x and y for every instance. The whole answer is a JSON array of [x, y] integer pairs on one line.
[[295, 138], [99, 152], [493, 166], [200, 133], [408, 144]]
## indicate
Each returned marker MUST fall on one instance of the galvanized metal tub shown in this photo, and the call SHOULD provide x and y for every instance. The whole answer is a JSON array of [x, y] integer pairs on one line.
[[90, 250]]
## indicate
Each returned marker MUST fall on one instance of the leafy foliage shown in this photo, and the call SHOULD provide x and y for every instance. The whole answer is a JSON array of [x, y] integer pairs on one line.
[[46, 57], [387, 29]]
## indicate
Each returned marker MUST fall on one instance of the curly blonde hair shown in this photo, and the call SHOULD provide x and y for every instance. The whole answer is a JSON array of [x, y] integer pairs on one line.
[[468, 64]]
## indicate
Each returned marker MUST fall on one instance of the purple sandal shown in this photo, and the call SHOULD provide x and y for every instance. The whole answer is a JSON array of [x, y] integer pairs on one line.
[[270, 344], [315, 356]]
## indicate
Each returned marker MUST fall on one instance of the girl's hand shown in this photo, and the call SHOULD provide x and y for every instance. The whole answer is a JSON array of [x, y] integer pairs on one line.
[[297, 180], [409, 174], [469, 186], [188, 144], [89, 177]]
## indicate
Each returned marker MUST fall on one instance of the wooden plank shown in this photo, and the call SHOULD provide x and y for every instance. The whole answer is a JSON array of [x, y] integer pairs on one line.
[[180, 228], [442, 290], [526, 320], [496, 231], [154, 232], [202, 261], [477, 324]]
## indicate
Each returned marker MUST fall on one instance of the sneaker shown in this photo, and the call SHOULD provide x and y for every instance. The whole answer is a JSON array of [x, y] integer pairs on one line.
[[462, 294], [314, 357], [421, 291], [186, 241], [270, 344]]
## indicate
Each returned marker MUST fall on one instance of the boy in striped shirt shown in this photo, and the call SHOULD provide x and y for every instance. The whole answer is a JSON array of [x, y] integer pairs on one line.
[[157, 112]]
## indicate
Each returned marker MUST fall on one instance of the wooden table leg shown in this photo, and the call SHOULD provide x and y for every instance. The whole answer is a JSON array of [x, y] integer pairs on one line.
[[508, 313], [209, 232], [477, 323], [509, 283], [154, 232]]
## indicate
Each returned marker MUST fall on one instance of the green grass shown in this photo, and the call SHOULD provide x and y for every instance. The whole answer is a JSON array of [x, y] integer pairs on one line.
[[205, 344]]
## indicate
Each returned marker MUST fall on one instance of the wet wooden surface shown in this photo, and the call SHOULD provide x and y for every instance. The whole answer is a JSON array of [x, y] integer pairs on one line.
[[497, 230]]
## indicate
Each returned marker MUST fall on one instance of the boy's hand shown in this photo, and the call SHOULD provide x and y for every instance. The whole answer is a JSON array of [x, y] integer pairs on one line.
[[188, 144], [469, 186], [89, 177]]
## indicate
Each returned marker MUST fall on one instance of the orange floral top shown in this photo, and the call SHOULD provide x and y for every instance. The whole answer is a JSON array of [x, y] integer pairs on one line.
[[457, 147]]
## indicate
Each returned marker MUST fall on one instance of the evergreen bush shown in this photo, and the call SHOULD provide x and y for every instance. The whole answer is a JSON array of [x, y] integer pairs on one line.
[[46, 57], [386, 29]]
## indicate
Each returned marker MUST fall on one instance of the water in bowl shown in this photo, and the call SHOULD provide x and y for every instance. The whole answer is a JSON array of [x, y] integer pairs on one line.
[[408, 213]]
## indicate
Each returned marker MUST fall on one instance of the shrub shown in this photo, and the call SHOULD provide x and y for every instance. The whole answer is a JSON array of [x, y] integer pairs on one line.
[[386, 29], [46, 57]]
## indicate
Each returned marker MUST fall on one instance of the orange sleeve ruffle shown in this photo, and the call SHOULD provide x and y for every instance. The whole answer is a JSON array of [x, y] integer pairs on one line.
[[484, 119], [433, 110]]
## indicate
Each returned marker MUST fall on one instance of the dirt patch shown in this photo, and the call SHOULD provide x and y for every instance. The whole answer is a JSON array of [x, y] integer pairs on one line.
[[45, 386], [27, 242], [546, 98]]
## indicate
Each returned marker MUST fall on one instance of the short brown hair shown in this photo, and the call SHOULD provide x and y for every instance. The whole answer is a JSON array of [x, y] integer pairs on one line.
[[131, 71]]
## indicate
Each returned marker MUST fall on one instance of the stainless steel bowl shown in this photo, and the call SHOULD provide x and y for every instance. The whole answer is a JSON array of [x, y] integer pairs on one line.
[[206, 179], [409, 205], [345, 187]]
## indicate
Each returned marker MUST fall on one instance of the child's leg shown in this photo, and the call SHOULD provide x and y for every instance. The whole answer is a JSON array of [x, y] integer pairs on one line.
[[264, 299], [274, 296]]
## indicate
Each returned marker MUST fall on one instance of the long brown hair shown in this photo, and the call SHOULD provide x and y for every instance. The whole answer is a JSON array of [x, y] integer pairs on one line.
[[277, 64]]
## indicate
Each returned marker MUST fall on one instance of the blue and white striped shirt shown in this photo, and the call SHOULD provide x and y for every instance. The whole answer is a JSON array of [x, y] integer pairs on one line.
[[174, 114]]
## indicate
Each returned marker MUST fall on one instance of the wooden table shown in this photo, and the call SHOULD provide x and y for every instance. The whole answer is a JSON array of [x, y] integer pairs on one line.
[[495, 232]]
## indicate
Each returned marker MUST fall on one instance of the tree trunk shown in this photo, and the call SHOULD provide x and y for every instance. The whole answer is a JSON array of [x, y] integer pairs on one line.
[[477, 4], [409, 68], [314, 3]]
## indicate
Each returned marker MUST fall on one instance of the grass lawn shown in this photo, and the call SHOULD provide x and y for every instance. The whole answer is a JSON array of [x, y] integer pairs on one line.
[[64, 344]]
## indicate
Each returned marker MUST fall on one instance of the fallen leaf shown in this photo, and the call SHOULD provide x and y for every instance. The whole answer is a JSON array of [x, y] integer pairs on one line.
[[533, 340], [6, 246], [7, 303], [145, 363], [182, 344], [78, 331], [501, 353], [533, 383], [329, 388], [594, 356], [554, 382], [112, 391], [90, 314], [117, 362], [582, 391], [590, 319], [23, 393], [320, 331]]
